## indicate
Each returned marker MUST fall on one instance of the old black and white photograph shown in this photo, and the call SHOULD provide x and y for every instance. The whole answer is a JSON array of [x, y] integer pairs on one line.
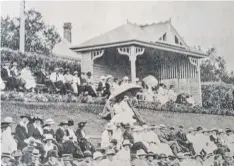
[[117, 83]]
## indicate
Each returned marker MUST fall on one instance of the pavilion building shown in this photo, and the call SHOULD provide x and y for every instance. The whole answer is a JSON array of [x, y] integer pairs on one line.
[[140, 50]]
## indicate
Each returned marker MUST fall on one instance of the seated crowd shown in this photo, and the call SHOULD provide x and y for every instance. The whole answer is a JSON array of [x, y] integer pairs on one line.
[[35, 142], [65, 81]]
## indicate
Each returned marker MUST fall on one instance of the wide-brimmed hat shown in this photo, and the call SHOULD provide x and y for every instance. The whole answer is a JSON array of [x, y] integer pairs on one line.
[[26, 116], [150, 154], [126, 142], [214, 129], [110, 152], [205, 130], [30, 141], [82, 124], [17, 153], [191, 129], [53, 153], [141, 152], [109, 126], [97, 155], [199, 128], [162, 155], [162, 126], [67, 157], [48, 137], [88, 153], [8, 120], [63, 123], [89, 73], [102, 78], [38, 117], [7, 155], [75, 72], [220, 131], [70, 123], [125, 78], [36, 153], [49, 122], [181, 126]]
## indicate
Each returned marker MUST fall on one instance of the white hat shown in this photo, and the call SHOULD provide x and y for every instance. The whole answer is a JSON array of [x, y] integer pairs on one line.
[[191, 129], [126, 142], [48, 137], [49, 121], [110, 152], [162, 126], [125, 78], [97, 155], [102, 78], [8, 120], [109, 126], [110, 76], [30, 141], [141, 152]]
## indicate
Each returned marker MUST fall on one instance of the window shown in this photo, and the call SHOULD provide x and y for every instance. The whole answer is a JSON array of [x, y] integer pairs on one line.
[[176, 40], [165, 37]]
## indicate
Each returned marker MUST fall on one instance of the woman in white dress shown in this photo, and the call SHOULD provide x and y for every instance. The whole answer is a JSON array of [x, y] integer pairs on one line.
[[26, 75], [75, 82], [162, 94], [123, 112]]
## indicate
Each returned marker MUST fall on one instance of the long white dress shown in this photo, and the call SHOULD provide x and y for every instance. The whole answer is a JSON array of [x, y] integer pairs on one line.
[[162, 96], [123, 113], [26, 75], [8, 143]]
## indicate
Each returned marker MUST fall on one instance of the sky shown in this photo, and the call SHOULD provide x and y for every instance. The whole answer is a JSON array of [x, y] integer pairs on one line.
[[201, 23]]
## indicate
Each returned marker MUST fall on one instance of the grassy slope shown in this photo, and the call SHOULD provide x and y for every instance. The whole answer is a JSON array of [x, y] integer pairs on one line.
[[95, 125]]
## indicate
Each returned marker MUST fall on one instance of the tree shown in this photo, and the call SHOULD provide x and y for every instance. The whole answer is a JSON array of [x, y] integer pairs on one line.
[[39, 37]]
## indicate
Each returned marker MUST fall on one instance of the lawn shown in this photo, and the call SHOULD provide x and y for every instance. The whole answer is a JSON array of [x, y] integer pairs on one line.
[[95, 125]]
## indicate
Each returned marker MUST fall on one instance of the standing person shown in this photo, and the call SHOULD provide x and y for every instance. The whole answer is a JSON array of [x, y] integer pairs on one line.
[[183, 141], [35, 129], [70, 131], [101, 85], [90, 85], [47, 127], [68, 80], [9, 144], [60, 133], [48, 146], [172, 94], [21, 131], [141, 160], [75, 82], [27, 77]]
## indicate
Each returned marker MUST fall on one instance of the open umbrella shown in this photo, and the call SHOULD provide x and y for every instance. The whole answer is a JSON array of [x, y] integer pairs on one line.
[[124, 88], [150, 81]]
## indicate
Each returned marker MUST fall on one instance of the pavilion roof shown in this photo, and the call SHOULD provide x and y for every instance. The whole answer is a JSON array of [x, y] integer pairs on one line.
[[149, 33]]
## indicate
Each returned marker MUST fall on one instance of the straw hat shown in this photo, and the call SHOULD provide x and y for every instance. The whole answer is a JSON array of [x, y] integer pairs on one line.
[[88, 153], [30, 141], [141, 152], [150, 154], [162, 126], [8, 120], [97, 155], [109, 126], [162, 155], [191, 129], [110, 152], [48, 137], [49, 121], [126, 142]]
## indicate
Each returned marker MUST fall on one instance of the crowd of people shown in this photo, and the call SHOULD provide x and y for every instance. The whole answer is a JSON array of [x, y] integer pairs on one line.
[[126, 140], [65, 81]]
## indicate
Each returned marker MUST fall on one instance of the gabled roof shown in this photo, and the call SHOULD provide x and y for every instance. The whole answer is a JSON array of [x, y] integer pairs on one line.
[[62, 49], [131, 32]]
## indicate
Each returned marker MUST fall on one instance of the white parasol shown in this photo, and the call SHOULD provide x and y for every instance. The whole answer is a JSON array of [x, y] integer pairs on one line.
[[124, 88], [150, 81]]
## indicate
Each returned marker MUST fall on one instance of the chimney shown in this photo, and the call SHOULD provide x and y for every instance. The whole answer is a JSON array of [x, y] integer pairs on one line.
[[67, 31]]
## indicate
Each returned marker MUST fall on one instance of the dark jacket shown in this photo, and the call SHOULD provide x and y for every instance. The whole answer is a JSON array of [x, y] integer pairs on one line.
[[59, 134], [20, 135], [34, 132], [129, 136], [181, 137], [27, 155]]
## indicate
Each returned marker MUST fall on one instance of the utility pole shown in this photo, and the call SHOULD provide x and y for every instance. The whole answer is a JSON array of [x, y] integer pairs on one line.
[[22, 26]]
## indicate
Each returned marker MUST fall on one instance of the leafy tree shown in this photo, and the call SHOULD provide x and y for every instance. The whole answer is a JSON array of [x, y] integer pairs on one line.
[[39, 37]]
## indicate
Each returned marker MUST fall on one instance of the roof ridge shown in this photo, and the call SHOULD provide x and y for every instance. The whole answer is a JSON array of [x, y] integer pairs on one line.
[[148, 24]]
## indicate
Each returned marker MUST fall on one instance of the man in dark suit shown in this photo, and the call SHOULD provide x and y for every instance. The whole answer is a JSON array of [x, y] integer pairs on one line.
[[183, 141], [60, 133], [35, 130], [21, 131]]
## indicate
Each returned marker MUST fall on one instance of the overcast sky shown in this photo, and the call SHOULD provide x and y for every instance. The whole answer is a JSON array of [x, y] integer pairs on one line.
[[200, 23]]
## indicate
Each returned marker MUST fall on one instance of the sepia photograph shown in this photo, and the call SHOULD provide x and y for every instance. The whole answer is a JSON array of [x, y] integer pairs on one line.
[[117, 83]]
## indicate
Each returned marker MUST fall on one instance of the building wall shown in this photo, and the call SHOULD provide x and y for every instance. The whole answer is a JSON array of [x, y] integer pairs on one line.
[[86, 63]]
